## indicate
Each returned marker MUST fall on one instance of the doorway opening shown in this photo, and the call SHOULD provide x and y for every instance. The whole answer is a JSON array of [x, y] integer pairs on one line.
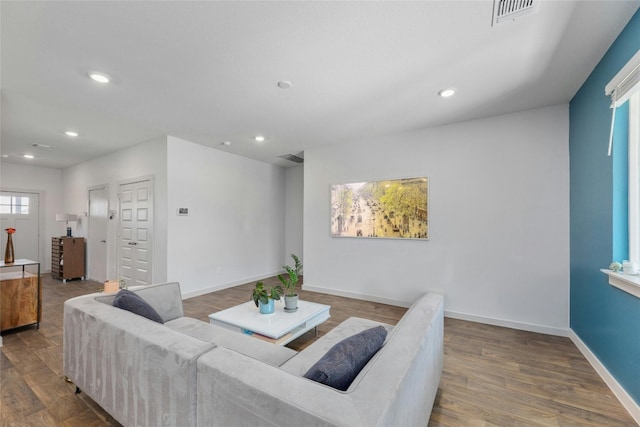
[[97, 246]]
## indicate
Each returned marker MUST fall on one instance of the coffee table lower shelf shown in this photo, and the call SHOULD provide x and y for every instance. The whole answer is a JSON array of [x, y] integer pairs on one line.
[[280, 327]]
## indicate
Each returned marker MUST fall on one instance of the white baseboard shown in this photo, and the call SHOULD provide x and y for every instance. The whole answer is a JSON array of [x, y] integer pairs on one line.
[[531, 327], [627, 401], [453, 314], [219, 287], [372, 298]]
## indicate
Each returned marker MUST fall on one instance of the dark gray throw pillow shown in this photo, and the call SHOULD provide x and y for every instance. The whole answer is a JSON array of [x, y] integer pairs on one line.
[[130, 301], [342, 363]]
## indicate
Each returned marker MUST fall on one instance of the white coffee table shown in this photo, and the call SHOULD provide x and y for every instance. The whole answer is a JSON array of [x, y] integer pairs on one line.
[[279, 327]]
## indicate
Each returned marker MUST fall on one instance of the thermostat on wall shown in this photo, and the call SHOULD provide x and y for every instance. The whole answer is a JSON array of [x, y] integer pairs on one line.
[[183, 211]]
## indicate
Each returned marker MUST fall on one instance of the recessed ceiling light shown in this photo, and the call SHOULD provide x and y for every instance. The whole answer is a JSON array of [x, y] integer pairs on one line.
[[28, 156], [446, 93], [4, 156], [259, 138], [99, 77], [284, 84], [71, 133], [226, 143]]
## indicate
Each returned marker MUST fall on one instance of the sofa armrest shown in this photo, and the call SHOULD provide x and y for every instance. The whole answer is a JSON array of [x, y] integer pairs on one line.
[[138, 370], [408, 367]]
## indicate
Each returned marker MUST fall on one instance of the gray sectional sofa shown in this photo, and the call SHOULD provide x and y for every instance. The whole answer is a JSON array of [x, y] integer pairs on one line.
[[186, 372]]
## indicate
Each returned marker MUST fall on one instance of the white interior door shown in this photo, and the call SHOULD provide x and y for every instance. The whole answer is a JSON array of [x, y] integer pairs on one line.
[[21, 211], [136, 232], [97, 238]]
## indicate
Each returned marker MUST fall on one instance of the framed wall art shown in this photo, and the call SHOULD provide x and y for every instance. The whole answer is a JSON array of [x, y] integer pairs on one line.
[[392, 209]]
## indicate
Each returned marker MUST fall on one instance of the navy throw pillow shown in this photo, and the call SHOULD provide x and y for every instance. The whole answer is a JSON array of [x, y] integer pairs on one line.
[[130, 301], [342, 363]]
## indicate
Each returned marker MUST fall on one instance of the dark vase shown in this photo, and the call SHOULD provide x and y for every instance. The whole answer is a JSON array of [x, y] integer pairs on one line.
[[8, 252]]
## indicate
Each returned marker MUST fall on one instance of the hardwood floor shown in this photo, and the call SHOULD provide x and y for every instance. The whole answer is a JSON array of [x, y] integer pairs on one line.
[[492, 376]]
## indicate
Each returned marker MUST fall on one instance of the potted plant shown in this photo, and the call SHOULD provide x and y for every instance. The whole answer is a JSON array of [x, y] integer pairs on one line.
[[264, 298], [289, 282]]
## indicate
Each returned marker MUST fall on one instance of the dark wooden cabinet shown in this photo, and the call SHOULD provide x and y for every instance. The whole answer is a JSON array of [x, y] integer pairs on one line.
[[67, 258]]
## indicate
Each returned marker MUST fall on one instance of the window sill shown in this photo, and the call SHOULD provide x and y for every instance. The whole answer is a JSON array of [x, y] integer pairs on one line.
[[625, 282]]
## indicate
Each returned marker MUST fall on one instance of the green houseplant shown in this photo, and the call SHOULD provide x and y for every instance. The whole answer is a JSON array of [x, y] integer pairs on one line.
[[264, 298], [289, 281]]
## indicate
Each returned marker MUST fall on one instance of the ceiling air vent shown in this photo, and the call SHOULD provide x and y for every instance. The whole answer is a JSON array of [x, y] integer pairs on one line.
[[292, 158], [507, 10]]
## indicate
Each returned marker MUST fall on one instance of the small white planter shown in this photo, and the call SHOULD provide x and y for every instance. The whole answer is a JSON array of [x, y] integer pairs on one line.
[[290, 303]]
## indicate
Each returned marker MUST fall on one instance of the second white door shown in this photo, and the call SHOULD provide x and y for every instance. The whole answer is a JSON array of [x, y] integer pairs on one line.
[[136, 232]]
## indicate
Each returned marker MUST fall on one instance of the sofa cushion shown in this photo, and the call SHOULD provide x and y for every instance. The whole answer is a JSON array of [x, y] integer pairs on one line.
[[342, 363], [272, 354], [165, 298], [301, 363], [130, 301]]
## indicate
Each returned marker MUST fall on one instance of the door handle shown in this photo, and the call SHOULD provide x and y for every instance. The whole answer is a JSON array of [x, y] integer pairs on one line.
[[103, 241]]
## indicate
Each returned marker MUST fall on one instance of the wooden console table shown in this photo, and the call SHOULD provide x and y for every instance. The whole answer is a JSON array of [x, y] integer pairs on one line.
[[20, 294]]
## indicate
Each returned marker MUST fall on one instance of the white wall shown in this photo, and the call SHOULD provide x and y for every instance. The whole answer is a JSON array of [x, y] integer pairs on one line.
[[48, 183], [234, 232], [294, 207], [499, 220], [145, 159]]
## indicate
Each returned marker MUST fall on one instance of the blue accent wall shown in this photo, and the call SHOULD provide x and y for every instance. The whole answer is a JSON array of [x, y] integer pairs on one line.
[[605, 318]]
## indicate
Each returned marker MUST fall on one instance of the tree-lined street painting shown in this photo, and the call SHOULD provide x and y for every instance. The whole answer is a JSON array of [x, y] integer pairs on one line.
[[384, 209]]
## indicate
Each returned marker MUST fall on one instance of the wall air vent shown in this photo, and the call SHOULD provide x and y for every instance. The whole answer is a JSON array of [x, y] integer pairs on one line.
[[509, 10], [292, 158]]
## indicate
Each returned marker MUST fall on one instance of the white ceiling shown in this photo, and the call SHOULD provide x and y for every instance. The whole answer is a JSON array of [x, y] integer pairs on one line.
[[208, 71]]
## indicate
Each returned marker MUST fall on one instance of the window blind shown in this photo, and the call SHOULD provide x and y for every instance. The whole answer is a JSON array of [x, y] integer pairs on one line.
[[622, 87]]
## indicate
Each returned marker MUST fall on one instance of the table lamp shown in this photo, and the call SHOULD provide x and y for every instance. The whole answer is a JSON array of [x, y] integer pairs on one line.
[[66, 218]]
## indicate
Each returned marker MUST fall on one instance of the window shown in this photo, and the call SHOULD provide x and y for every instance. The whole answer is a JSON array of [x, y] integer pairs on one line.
[[14, 205], [624, 91], [624, 138]]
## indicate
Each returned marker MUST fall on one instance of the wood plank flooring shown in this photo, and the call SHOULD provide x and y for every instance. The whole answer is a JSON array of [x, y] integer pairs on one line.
[[492, 376]]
